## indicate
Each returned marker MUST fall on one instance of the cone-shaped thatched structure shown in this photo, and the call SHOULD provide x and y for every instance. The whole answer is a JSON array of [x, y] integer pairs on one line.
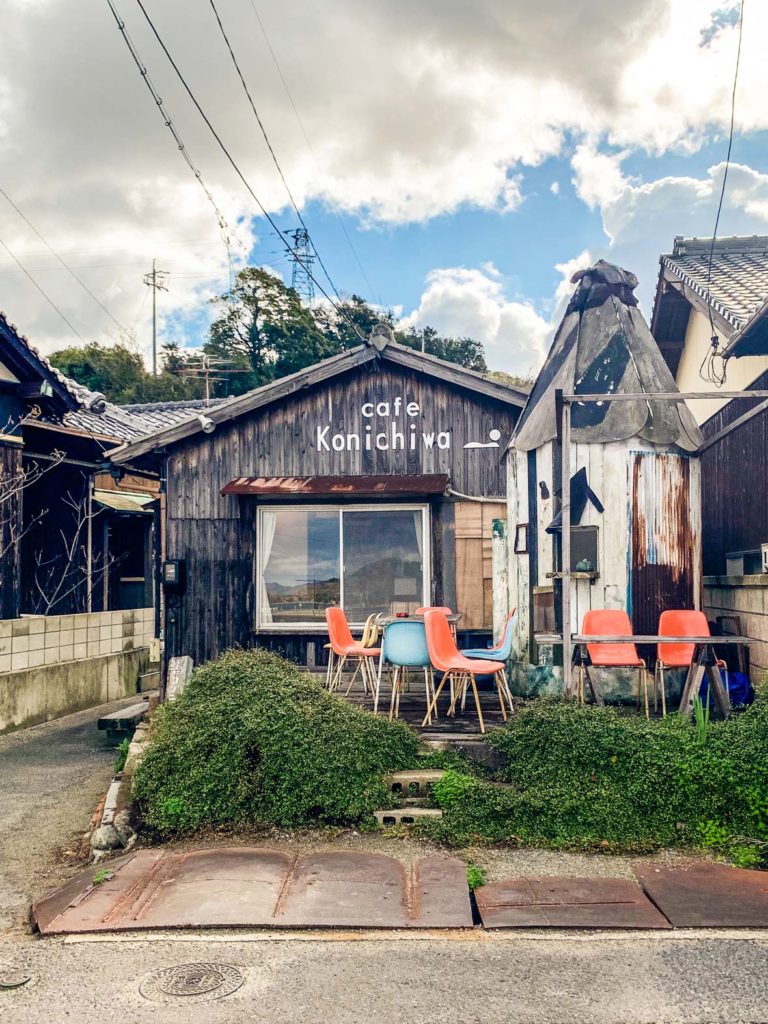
[[604, 346]]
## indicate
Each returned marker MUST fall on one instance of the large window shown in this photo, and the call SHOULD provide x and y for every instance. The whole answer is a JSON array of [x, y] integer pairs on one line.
[[364, 558]]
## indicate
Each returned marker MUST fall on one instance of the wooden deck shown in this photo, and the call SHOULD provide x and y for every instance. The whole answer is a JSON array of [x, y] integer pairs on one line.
[[459, 729]]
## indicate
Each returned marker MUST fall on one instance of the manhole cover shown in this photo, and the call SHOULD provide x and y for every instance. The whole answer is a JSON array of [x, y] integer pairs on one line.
[[193, 982]]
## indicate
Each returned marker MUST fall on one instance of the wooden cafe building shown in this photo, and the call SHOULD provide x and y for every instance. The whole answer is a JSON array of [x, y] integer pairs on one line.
[[369, 480]]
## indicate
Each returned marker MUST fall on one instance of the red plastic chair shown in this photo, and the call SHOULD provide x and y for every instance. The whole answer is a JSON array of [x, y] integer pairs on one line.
[[433, 608], [613, 622], [458, 671], [346, 648], [678, 622]]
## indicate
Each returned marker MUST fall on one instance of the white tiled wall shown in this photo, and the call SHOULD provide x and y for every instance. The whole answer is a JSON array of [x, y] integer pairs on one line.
[[48, 639]]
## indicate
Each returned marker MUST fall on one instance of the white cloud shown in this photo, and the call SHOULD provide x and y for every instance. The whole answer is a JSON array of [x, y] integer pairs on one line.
[[470, 302], [413, 111], [554, 188], [598, 178]]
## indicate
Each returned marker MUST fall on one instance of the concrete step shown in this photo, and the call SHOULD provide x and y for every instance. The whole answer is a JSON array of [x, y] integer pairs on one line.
[[405, 815]]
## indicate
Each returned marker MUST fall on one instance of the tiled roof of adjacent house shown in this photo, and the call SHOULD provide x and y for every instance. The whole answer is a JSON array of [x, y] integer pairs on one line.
[[93, 414], [739, 280]]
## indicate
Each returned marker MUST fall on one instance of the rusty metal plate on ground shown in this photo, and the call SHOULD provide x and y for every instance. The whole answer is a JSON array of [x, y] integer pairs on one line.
[[702, 895], [566, 903], [257, 888]]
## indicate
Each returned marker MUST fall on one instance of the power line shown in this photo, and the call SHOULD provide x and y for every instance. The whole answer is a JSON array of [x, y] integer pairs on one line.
[[710, 374], [267, 216], [272, 153], [42, 291], [226, 231], [64, 264], [334, 205]]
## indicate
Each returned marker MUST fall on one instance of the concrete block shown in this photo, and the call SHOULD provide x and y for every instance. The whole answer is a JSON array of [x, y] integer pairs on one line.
[[105, 632], [6, 627], [20, 627], [117, 630], [105, 646], [80, 651], [52, 623], [36, 658], [36, 624], [52, 640], [5, 663], [93, 633], [179, 674], [5, 644], [67, 622], [93, 647], [405, 815], [413, 783], [66, 636], [93, 619], [19, 661], [36, 641], [19, 644], [66, 652], [52, 655]]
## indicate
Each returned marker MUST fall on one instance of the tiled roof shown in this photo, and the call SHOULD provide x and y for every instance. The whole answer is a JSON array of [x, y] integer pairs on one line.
[[131, 422], [95, 415], [739, 282]]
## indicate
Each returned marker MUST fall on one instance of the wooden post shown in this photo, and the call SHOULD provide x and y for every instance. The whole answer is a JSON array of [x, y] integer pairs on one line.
[[565, 546], [500, 573]]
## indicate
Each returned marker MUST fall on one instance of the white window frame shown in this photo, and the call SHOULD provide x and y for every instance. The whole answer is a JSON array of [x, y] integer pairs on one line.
[[319, 625]]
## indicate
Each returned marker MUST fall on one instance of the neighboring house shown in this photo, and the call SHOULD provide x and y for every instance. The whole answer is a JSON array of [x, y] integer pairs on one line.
[[73, 536], [734, 455], [369, 480]]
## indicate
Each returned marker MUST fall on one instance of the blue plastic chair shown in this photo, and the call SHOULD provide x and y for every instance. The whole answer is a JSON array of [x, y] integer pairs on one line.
[[404, 646], [501, 652]]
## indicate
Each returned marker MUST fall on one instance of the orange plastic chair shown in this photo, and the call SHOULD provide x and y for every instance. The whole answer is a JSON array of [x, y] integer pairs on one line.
[[433, 608], [678, 622], [458, 671], [614, 622], [346, 648]]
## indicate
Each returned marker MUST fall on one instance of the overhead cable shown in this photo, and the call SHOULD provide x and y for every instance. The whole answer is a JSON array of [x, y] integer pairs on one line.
[[42, 291], [64, 264], [270, 147], [265, 213], [226, 232], [711, 373], [332, 202]]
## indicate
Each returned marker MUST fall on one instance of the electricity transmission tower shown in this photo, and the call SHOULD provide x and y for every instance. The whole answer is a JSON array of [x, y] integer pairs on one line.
[[156, 280], [302, 255]]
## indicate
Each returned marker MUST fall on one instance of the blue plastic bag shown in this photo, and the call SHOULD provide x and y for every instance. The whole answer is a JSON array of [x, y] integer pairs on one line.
[[740, 690]]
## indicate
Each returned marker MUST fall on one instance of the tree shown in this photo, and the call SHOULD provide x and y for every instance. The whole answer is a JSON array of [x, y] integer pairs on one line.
[[465, 351], [120, 375], [265, 328]]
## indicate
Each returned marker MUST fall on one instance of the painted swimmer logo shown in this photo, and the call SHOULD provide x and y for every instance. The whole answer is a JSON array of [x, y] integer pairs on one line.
[[494, 435]]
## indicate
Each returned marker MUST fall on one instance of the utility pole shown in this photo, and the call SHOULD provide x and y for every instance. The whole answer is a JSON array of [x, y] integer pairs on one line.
[[156, 281], [302, 256]]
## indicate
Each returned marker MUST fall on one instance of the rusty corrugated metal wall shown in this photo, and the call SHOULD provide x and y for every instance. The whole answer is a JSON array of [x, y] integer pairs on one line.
[[664, 537]]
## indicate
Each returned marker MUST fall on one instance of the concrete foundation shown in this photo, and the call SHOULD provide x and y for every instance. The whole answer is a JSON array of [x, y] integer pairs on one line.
[[35, 695]]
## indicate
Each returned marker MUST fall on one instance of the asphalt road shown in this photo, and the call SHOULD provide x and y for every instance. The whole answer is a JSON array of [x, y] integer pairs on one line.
[[51, 778], [481, 980]]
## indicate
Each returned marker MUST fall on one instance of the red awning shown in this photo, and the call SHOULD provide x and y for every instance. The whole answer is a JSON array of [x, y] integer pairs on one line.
[[357, 486]]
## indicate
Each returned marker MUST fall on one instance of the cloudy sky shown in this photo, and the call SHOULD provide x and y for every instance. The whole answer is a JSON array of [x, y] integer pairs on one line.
[[454, 160]]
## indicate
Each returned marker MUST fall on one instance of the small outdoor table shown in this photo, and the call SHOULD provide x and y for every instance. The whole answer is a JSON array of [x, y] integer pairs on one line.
[[703, 663]]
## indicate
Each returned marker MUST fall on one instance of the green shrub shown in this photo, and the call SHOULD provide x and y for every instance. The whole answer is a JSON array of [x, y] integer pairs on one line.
[[592, 778], [253, 740], [122, 755]]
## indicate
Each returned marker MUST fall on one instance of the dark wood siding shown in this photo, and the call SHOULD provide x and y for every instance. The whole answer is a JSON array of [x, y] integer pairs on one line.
[[215, 534], [734, 484]]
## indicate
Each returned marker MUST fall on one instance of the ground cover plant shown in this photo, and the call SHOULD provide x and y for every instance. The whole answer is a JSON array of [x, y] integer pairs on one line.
[[584, 777], [255, 741]]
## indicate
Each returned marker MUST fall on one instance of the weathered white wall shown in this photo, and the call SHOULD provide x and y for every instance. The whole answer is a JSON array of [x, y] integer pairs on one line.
[[741, 372]]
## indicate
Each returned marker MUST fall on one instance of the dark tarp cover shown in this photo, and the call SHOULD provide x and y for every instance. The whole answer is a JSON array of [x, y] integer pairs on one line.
[[604, 346]]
